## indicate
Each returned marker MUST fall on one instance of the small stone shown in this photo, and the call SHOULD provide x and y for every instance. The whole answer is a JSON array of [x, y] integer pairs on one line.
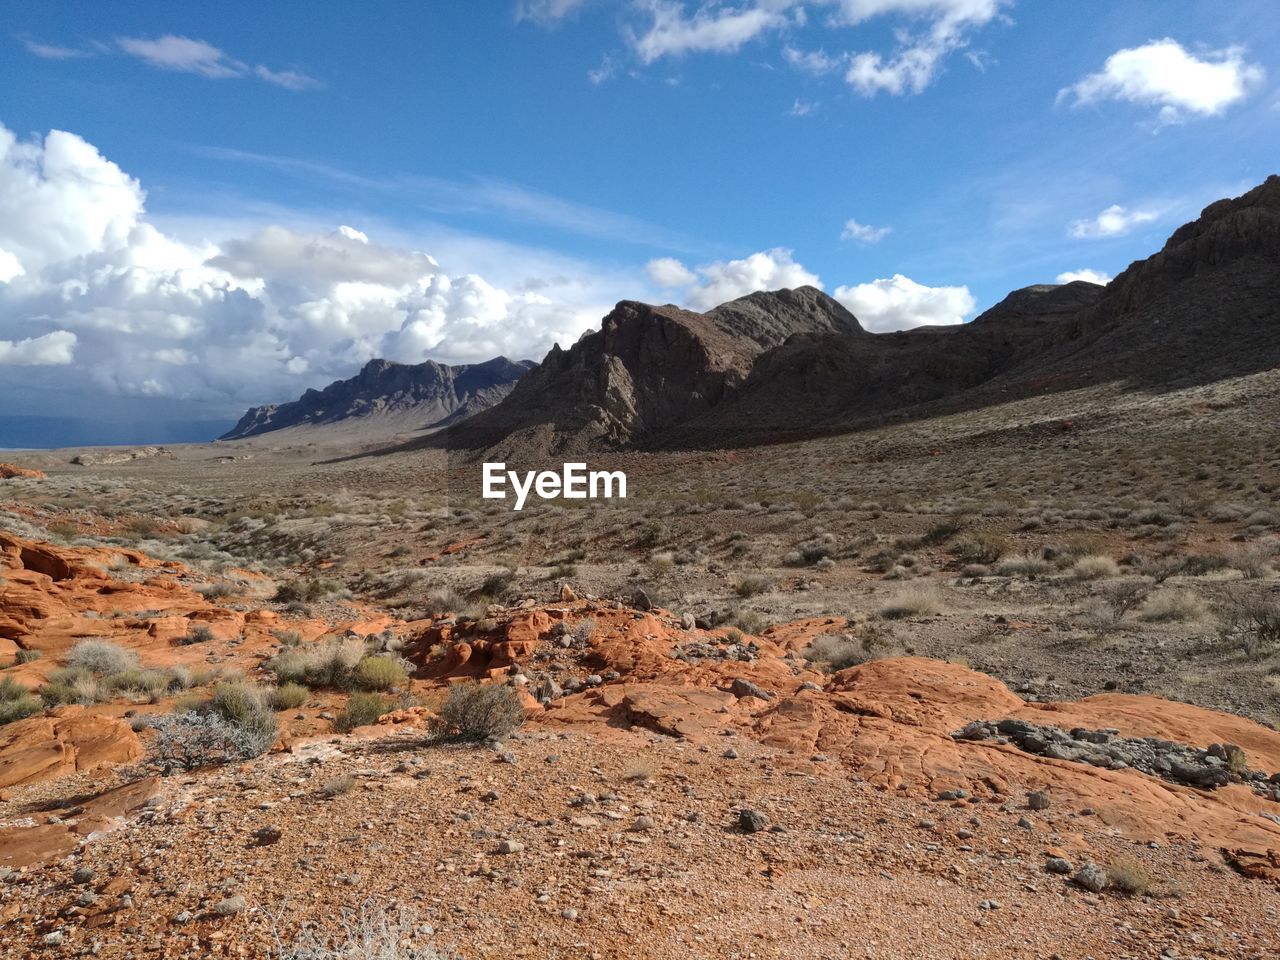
[[1058, 865], [643, 824], [183, 917], [1025, 824], [569, 913], [1038, 800], [267, 835], [230, 906], [730, 754], [87, 898], [752, 821], [1092, 877], [52, 939], [84, 875], [510, 758], [510, 846]]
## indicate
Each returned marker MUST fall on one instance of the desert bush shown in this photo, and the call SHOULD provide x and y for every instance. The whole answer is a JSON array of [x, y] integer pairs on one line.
[[493, 588], [922, 600], [330, 663], [1253, 561], [641, 769], [752, 584], [835, 651], [1201, 564], [940, 532], [1095, 568], [1121, 596], [1028, 566], [1252, 623], [26, 656], [981, 547], [288, 696], [201, 738], [151, 683], [196, 633], [371, 934], [584, 631], [337, 786], [380, 672], [306, 591], [1169, 606], [67, 685], [101, 657], [361, 709], [16, 701], [216, 591], [1130, 877], [289, 638], [479, 711], [749, 621]]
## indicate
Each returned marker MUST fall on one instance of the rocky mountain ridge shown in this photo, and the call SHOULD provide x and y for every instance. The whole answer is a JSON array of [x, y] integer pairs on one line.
[[414, 396], [789, 364]]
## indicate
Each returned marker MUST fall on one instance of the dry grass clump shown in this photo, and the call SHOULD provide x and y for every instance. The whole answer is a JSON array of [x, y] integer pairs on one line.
[[1028, 566], [289, 696], [752, 584], [920, 600], [101, 657], [982, 547], [1173, 606], [337, 786], [331, 663], [16, 701], [1095, 568], [361, 710], [373, 933], [1130, 877], [641, 769], [382, 672]]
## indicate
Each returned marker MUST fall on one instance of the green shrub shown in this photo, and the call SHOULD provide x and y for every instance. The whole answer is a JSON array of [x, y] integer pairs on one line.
[[16, 701], [71, 685], [380, 673], [752, 584], [331, 663], [981, 547], [149, 682], [27, 656], [196, 633], [920, 601], [480, 711], [289, 696], [362, 709]]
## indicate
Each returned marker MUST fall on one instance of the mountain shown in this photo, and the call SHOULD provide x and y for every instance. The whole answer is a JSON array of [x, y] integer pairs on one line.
[[392, 397], [648, 369]]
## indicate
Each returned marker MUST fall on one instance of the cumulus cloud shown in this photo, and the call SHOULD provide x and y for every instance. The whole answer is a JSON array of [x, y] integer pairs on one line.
[[1089, 276], [104, 301], [52, 349], [715, 283], [53, 51], [711, 28], [547, 11], [853, 230], [900, 303], [1165, 75], [1115, 221], [188, 55]]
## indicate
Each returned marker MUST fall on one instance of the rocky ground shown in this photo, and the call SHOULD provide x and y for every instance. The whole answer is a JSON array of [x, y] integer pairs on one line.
[[762, 672]]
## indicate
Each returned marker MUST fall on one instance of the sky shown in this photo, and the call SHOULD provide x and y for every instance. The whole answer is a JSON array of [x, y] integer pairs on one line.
[[204, 207]]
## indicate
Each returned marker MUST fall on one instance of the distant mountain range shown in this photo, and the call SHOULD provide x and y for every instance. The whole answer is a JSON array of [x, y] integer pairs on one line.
[[791, 364], [795, 363], [390, 398]]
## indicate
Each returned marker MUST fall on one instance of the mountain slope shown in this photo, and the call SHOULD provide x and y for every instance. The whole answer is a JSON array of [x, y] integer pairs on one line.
[[392, 396], [646, 370]]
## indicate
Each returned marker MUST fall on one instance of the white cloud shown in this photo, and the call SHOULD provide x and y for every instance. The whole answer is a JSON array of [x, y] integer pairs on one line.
[[853, 230], [715, 283], [109, 304], [187, 55], [815, 62], [900, 303], [935, 29], [50, 51], [52, 349], [1086, 274], [669, 273], [1115, 221], [1165, 75], [183, 54], [711, 29], [547, 11], [802, 108]]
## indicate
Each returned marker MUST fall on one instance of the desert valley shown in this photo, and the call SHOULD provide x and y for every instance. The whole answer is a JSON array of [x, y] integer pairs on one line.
[[950, 642]]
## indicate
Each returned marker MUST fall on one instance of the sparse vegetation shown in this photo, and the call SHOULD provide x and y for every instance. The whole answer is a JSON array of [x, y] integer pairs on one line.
[[289, 696], [1130, 877], [480, 711], [362, 709], [16, 701], [382, 672], [921, 600], [1173, 606], [101, 657]]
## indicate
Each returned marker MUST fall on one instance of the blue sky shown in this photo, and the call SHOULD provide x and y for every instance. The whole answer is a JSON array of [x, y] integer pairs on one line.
[[918, 158]]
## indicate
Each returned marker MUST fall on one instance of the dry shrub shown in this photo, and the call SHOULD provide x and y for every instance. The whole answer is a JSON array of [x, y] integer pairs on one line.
[[921, 600], [479, 711], [1173, 606], [1095, 568]]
